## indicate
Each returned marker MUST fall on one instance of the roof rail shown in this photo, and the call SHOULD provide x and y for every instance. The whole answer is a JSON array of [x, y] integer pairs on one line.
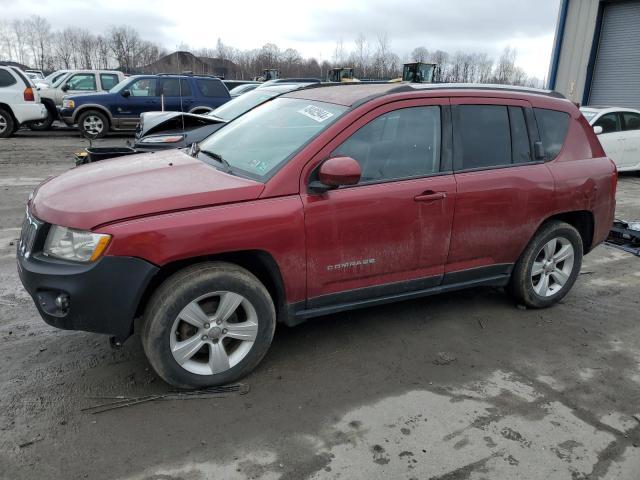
[[485, 86]]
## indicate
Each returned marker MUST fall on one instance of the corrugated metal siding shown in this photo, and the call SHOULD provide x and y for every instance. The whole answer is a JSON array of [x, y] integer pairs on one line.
[[616, 76]]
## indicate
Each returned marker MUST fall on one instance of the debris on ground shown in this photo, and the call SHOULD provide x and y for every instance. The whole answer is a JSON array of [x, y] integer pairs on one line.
[[122, 401], [625, 236], [31, 442], [444, 358]]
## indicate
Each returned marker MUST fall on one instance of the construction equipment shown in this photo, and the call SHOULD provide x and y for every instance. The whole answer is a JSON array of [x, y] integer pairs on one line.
[[419, 72], [268, 74], [341, 75]]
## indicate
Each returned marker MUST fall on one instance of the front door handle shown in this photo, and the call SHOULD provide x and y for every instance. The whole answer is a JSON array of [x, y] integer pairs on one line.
[[430, 196]]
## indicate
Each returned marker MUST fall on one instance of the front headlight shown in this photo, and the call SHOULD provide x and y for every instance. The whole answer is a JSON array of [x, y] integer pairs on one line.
[[162, 139], [75, 245], [68, 103]]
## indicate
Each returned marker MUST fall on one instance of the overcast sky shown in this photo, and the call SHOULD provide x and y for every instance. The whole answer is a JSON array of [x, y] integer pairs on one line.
[[313, 27]]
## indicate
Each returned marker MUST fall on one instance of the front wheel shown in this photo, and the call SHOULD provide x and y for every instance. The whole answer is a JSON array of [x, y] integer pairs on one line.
[[93, 123], [42, 125], [549, 266], [208, 325]]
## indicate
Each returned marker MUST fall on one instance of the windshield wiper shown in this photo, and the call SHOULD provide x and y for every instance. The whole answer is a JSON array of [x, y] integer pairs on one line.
[[218, 158]]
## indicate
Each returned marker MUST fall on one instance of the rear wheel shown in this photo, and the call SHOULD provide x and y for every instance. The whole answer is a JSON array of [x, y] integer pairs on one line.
[[7, 124], [207, 325], [94, 123], [549, 266]]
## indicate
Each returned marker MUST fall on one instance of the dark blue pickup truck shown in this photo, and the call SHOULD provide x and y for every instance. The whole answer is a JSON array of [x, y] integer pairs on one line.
[[120, 108]]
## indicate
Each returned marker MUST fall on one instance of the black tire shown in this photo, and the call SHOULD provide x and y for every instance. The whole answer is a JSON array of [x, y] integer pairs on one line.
[[522, 282], [180, 290], [42, 125], [7, 124], [101, 120]]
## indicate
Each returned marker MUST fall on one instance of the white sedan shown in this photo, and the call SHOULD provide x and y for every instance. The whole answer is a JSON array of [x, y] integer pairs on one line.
[[618, 130]]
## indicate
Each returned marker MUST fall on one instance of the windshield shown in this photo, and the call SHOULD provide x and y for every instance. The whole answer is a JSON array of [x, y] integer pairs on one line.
[[236, 107], [58, 80], [588, 114], [264, 139]]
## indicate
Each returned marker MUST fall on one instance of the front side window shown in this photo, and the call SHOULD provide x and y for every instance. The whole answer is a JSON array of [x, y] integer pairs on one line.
[[259, 142], [82, 81], [108, 80], [403, 143], [145, 87], [520, 146], [553, 126], [610, 123], [484, 136], [631, 121]]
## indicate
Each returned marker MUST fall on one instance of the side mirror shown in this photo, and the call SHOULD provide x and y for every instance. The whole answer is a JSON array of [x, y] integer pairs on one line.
[[65, 88], [336, 172], [126, 93], [597, 129]]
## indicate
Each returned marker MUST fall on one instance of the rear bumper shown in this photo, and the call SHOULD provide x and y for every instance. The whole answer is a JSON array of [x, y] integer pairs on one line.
[[103, 297], [29, 112]]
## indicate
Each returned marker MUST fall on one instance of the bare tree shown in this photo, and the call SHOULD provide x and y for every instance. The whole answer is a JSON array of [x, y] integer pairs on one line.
[[38, 36], [362, 55], [420, 54], [506, 66]]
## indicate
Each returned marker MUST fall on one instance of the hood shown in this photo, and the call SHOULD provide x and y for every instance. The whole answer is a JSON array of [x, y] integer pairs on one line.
[[156, 122], [135, 186]]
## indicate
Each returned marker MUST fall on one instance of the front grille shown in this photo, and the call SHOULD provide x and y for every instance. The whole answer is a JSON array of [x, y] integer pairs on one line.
[[30, 227]]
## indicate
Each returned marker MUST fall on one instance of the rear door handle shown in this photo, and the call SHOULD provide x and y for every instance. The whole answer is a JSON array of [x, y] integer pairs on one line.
[[430, 196]]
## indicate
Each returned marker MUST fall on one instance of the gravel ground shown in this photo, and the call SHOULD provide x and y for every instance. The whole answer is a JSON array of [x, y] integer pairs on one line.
[[460, 386]]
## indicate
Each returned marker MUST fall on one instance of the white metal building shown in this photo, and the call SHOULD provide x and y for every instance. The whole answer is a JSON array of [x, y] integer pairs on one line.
[[596, 54]]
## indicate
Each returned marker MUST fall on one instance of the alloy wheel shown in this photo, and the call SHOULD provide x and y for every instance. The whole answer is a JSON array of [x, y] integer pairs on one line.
[[3, 124], [93, 124], [213, 333], [552, 267]]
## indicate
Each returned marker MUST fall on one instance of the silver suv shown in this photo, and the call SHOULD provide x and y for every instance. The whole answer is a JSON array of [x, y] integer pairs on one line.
[[73, 82]]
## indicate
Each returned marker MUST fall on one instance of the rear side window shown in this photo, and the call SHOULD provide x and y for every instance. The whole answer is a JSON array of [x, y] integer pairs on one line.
[[484, 136], [108, 80], [171, 88], [403, 143], [631, 121], [212, 88], [6, 79], [553, 127]]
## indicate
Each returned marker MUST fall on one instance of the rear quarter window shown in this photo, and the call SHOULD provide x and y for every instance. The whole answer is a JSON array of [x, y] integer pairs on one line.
[[553, 127], [212, 88], [6, 79]]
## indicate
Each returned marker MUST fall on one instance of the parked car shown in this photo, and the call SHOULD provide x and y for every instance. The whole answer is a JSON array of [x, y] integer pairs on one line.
[[37, 73], [73, 82], [165, 130], [618, 130], [240, 89], [120, 108], [19, 101], [319, 201], [50, 79]]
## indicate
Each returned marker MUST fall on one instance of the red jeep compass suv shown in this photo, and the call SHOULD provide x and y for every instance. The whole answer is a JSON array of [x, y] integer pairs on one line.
[[322, 200]]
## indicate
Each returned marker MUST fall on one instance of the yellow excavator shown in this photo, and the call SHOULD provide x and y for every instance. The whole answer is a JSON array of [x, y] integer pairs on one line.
[[341, 75], [419, 72]]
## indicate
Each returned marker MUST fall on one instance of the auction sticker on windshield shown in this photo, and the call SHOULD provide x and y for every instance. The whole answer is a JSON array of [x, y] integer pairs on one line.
[[316, 113]]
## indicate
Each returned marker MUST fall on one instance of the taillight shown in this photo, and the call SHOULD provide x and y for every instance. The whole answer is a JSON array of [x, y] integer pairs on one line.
[[28, 95]]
